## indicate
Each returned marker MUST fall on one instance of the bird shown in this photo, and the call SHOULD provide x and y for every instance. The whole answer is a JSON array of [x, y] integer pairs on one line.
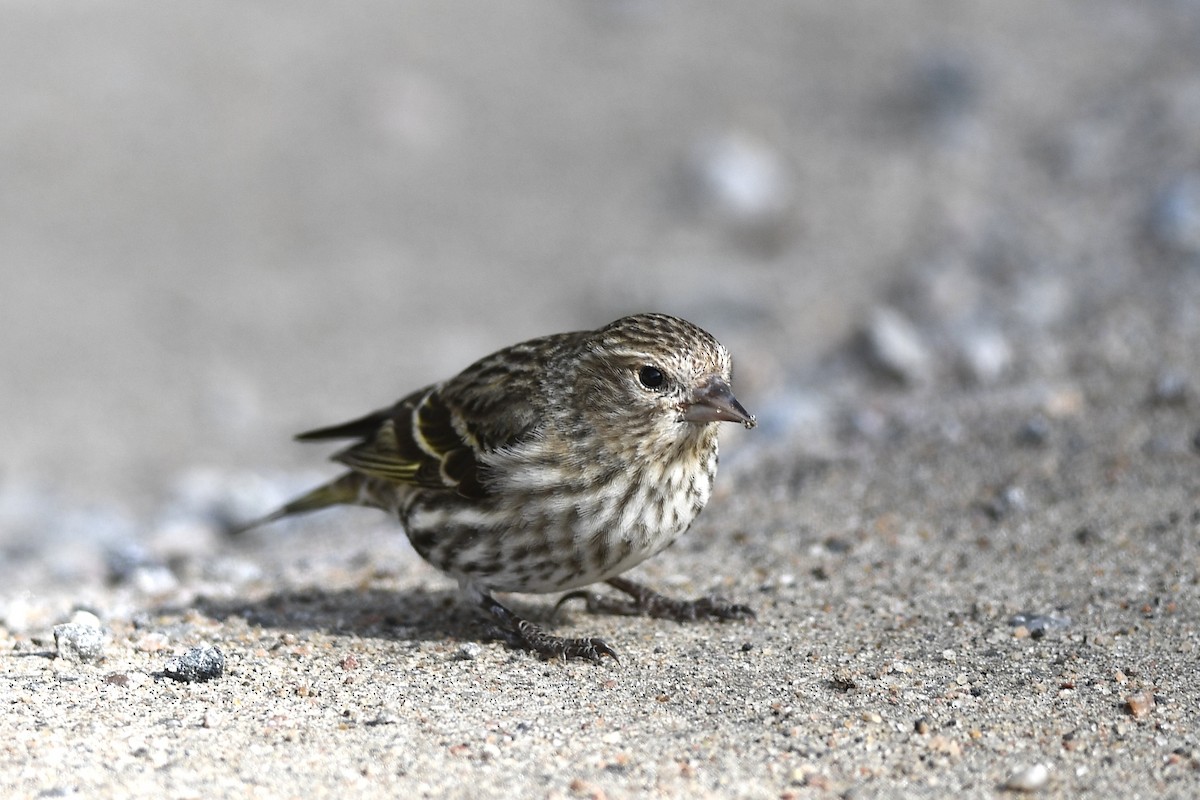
[[548, 466]]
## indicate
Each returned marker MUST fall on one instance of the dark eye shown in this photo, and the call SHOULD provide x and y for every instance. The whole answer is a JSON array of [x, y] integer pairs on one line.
[[651, 377]]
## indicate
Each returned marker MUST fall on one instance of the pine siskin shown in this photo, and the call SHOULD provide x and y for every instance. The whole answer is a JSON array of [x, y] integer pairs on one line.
[[550, 465]]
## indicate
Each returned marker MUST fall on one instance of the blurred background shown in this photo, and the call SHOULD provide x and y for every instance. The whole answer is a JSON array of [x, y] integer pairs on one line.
[[222, 223]]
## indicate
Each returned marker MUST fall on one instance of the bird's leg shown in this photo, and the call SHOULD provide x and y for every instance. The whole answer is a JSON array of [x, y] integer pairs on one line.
[[522, 633], [649, 603]]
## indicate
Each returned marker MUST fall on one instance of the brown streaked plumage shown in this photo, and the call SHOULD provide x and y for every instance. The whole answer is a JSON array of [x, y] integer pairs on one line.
[[550, 465]]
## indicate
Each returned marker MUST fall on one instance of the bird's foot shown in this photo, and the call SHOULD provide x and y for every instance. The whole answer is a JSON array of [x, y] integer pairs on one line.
[[523, 634], [644, 601]]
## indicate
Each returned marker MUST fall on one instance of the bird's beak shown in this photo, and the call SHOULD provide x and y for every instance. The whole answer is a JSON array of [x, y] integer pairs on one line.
[[713, 401]]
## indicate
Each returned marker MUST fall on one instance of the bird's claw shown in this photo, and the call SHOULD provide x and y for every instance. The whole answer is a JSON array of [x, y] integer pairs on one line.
[[525, 635]]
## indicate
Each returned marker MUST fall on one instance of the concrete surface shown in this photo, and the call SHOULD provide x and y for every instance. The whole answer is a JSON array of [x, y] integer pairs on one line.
[[954, 248]]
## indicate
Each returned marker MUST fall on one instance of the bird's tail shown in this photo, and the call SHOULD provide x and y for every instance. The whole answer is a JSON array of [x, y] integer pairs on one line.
[[350, 489]]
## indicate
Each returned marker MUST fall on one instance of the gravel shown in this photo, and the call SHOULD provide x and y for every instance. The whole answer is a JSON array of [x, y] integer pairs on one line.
[[197, 665], [79, 643]]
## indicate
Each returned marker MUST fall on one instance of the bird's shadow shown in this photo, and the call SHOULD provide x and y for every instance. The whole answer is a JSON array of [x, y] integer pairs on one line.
[[400, 614]]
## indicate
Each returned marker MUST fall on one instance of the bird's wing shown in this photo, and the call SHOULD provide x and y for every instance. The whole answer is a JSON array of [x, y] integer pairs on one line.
[[434, 437], [501, 401], [412, 442]]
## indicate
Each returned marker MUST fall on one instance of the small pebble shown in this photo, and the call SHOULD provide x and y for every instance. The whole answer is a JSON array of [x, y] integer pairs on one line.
[[1175, 215], [1140, 705], [1008, 500], [743, 183], [984, 356], [1028, 779], [81, 617], [79, 643], [1169, 389], [895, 347], [467, 651], [197, 665]]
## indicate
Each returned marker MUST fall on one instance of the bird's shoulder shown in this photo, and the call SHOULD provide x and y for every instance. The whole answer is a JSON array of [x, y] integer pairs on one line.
[[503, 398]]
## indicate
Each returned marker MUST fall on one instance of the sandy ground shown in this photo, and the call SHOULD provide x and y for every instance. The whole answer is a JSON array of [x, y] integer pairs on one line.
[[954, 248]]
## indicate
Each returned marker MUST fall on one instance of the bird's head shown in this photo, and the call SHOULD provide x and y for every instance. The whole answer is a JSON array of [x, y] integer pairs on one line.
[[660, 375]]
